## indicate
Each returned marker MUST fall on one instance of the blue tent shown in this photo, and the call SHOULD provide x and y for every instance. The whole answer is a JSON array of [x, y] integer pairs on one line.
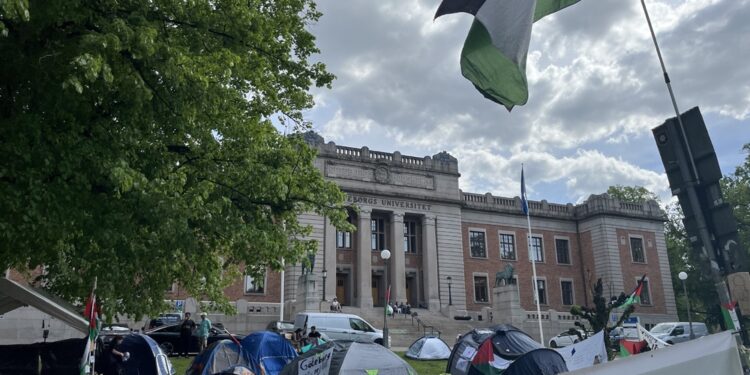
[[267, 352], [219, 356]]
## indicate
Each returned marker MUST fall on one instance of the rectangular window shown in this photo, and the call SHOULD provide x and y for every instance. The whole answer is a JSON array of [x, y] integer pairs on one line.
[[537, 251], [478, 245], [636, 250], [410, 236], [541, 288], [253, 286], [507, 247], [645, 294], [480, 289], [563, 251], [377, 234], [567, 292], [343, 240]]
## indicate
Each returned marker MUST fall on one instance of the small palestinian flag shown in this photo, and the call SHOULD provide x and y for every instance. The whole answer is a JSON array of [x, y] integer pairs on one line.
[[482, 362], [635, 297]]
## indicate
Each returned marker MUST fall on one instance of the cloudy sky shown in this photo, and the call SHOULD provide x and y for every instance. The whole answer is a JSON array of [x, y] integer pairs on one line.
[[596, 91]]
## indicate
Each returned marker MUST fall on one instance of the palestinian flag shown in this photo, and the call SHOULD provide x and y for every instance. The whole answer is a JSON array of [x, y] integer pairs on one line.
[[481, 364], [91, 313], [635, 297], [494, 53], [729, 315]]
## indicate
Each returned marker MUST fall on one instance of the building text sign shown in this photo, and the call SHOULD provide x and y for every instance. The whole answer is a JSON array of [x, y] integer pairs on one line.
[[385, 202]]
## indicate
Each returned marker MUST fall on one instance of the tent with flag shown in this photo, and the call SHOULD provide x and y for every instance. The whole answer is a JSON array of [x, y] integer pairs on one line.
[[492, 351], [494, 53]]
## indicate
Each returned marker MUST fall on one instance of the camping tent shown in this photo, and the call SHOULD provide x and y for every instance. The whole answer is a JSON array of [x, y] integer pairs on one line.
[[713, 354], [267, 352], [146, 358], [429, 347], [59, 357], [502, 345], [349, 358], [539, 362], [219, 356]]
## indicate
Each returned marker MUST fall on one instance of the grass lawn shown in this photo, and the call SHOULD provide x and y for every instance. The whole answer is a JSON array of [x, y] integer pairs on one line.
[[422, 367]]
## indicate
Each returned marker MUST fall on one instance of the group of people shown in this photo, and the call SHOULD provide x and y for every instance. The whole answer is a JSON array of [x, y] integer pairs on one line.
[[401, 308], [300, 340], [187, 327]]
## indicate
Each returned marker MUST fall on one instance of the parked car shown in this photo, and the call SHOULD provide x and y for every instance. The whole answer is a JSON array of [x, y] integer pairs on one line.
[[567, 338], [283, 328], [676, 332], [339, 326], [164, 320], [168, 338]]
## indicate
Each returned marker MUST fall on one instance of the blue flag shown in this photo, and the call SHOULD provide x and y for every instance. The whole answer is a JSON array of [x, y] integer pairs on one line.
[[524, 202]]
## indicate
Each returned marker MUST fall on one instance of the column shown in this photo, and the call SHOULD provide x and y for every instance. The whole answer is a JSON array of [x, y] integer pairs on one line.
[[364, 260], [329, 263], [430, 263], [397, 271]]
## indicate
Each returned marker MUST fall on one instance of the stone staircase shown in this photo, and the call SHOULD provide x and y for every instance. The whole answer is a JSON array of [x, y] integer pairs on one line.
[[405, 329]]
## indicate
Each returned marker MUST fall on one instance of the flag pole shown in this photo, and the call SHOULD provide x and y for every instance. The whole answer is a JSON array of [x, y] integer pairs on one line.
[[535, 287]]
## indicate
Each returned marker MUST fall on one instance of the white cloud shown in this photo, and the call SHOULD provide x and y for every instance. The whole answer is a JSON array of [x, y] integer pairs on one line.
[[596, 89]]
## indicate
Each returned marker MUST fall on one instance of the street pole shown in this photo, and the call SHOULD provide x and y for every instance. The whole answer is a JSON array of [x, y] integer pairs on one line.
[[325, 274], [450, 296], [683, 276], [386, 254]]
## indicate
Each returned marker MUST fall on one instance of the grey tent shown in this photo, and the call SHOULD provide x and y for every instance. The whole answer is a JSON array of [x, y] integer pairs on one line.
[[429, 347], [349, 358]]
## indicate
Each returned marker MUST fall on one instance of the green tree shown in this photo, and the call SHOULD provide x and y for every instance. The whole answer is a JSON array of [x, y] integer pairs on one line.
[[736, 190], [138, 146], [632, 194]]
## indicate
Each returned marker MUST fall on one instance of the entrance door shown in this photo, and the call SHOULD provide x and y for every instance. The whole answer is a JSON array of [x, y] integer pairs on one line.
[[409, 289], [341, 283], [375, 290]]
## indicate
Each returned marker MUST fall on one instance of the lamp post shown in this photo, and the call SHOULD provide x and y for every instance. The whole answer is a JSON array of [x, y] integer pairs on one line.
[[385, 254], [450, 296], [683, 276], [325, 274]]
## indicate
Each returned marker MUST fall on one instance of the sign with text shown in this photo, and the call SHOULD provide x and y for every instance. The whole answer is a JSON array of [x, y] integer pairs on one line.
[[318, 364]]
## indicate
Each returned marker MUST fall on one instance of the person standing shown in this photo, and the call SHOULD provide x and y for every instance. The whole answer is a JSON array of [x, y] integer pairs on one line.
[[203, 331], [186, 334]]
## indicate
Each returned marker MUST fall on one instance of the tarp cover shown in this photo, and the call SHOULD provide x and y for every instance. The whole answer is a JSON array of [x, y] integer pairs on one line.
[[713, 354], [59, 357], [537, 362], [429, 347], [219, 356], [349, 358], [267, 352]]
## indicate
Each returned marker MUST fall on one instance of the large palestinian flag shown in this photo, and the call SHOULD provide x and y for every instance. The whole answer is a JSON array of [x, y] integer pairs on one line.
[[494, 54]]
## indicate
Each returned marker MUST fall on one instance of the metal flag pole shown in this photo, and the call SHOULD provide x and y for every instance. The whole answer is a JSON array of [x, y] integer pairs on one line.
[[535, 287], [691, 181]]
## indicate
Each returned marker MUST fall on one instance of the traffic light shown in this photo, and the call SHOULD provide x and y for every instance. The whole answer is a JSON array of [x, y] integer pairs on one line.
[[676, 155]]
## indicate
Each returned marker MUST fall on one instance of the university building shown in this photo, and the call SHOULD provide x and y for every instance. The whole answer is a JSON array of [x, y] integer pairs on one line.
[[447, 244]]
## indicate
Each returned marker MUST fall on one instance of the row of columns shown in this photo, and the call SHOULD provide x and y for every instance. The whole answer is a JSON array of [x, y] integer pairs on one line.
[[397, 263]]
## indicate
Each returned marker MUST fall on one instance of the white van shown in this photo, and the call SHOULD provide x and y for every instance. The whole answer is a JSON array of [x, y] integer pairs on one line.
[[339, 326], [674, 332]]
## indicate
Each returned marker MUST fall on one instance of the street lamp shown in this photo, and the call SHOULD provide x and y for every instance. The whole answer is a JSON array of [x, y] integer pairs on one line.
[[450, 296], [683, 276], [385, 254], [325, 274]]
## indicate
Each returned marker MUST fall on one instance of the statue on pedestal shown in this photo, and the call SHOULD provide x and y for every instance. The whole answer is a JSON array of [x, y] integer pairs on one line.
[[504, 277]]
